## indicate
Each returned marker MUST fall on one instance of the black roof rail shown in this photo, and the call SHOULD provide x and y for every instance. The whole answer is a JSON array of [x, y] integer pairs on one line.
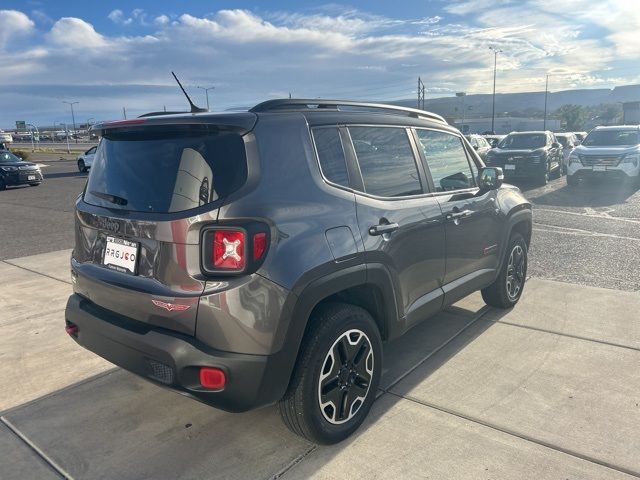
[[304, 103]]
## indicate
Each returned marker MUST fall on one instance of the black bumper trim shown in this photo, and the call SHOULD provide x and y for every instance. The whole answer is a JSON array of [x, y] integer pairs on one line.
[[250, 378]]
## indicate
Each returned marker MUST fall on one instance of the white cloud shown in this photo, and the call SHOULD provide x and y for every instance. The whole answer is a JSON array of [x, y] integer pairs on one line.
[[161, 20], [14, 24], [75, 33], [138, 16]]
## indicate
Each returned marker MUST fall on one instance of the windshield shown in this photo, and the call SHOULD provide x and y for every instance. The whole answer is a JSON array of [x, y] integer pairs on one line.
[[8, 157], [166, 169], [528, 141], [612, 138]]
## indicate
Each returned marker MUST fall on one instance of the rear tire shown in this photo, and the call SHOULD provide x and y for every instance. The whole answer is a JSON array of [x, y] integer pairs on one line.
[[81, 166], [558, 172], [334, 381], [507, 289]]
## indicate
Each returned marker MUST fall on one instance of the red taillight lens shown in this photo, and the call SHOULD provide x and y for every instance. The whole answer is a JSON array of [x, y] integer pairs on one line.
[[212, 378], [229, 250], [259, 245]]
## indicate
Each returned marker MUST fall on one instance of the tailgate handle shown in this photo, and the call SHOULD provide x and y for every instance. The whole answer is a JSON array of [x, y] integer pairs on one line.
[[383, 228]]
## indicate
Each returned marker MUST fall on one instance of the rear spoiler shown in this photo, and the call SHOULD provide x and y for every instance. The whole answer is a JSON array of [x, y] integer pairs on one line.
[[240, 122]]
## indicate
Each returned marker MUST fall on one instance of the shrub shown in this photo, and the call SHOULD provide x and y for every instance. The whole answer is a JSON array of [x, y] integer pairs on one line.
[[23, 154]]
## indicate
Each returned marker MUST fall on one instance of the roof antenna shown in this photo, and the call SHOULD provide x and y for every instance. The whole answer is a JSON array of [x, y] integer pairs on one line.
[[194, 109]]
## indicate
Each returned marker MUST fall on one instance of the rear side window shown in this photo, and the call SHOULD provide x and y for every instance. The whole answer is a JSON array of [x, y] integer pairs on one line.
[[331, 155], [386, 161], [447, 160], [166, 168]]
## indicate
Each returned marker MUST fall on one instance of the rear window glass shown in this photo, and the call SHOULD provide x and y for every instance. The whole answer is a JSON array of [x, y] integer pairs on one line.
[[331, 155], [166, 169]]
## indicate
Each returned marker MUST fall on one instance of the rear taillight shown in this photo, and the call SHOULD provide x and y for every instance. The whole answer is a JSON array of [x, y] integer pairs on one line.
[[234, 250], [229, 252]]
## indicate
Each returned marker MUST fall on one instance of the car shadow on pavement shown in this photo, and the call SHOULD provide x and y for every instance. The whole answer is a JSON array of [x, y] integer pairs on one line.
[[120, 425]]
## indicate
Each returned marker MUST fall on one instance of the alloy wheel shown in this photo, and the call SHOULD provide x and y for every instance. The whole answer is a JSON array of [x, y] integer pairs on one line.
[[345, 378], [515, 272]]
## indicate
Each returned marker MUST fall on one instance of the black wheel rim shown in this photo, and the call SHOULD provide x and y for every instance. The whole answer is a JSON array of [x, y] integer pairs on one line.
[[345, 377], [515, 272]]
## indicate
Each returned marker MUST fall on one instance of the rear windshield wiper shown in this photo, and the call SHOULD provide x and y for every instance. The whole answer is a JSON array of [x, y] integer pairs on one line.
[[110, 198]]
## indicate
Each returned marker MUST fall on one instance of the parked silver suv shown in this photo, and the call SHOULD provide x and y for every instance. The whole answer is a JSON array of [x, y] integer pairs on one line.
[[607, 151]]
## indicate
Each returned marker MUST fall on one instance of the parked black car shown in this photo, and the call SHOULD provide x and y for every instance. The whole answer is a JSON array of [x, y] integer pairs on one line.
[[15, 171], [264, 256], [535, 155]]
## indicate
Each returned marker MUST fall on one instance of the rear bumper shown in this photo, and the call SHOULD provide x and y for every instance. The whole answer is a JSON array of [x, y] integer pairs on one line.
[[173, 360]]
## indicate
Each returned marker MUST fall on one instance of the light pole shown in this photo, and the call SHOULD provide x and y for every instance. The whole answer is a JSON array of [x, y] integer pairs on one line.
[[495, 51], [546, 92], [206, 91], [33, 148], [73, 117]]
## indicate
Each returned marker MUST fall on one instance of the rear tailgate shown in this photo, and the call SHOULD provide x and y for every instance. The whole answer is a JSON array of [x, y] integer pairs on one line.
[[150, 191]]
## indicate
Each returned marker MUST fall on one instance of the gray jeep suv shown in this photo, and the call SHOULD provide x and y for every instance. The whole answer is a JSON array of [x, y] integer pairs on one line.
[[256, 257]]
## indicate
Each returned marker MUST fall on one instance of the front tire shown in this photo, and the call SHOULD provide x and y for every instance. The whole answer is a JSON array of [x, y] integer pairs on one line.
[[507, 289], [3, 186], [336, 376], [81, 166]]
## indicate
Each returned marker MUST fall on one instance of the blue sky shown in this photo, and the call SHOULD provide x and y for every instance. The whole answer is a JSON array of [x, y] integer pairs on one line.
[[110, 55]]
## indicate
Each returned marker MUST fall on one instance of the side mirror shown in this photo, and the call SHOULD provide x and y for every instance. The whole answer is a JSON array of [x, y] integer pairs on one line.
[[490, 178]]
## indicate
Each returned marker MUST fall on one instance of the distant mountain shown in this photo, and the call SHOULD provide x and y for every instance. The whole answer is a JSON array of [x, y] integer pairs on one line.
[[526, 104]]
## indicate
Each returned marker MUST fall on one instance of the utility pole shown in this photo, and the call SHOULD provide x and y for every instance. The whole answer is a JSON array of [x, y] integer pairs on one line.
[[496, 51], [421, 92], [206, 91], [124, 113], [546, 93], [73, 117]]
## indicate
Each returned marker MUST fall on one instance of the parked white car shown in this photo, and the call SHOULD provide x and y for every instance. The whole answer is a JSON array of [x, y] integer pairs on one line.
[[569, 141], [86, 159], [5, 137], [606, 151]]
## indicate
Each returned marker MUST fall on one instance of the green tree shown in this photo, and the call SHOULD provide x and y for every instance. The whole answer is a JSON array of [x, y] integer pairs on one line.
[[573, 117]]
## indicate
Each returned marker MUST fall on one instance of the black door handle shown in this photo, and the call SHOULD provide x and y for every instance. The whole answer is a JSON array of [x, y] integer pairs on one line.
[[383, 228]]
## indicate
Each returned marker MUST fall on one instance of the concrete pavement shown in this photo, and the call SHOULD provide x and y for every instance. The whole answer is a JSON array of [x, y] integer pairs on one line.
[[549, 389]]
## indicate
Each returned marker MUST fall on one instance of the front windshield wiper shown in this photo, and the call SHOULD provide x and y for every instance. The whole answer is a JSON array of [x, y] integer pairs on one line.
[[110, 198]]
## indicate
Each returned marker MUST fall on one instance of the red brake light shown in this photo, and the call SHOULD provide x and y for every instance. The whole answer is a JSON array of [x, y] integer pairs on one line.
[[229, 250], [212, 378], [259, 245]]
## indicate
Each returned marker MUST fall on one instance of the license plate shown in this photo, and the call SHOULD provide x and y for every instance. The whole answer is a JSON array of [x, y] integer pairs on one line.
[[31, 177], [509, 167], [599, 168], [120, 255]]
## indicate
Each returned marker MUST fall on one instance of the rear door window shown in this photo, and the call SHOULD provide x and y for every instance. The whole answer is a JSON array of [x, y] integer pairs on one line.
[[386, 161], [447, 160], [166, 169]]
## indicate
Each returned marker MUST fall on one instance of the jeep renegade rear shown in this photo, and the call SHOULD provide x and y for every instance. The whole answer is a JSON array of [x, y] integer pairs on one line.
[[250, 258]]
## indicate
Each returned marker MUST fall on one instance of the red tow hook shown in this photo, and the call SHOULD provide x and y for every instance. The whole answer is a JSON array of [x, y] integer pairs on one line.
[[71, 329]]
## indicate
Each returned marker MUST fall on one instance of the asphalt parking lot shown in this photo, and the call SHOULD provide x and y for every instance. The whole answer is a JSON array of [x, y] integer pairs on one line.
[[550, 389]]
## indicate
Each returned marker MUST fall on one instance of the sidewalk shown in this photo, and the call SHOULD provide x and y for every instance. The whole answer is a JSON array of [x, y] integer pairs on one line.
[[548, 390]]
